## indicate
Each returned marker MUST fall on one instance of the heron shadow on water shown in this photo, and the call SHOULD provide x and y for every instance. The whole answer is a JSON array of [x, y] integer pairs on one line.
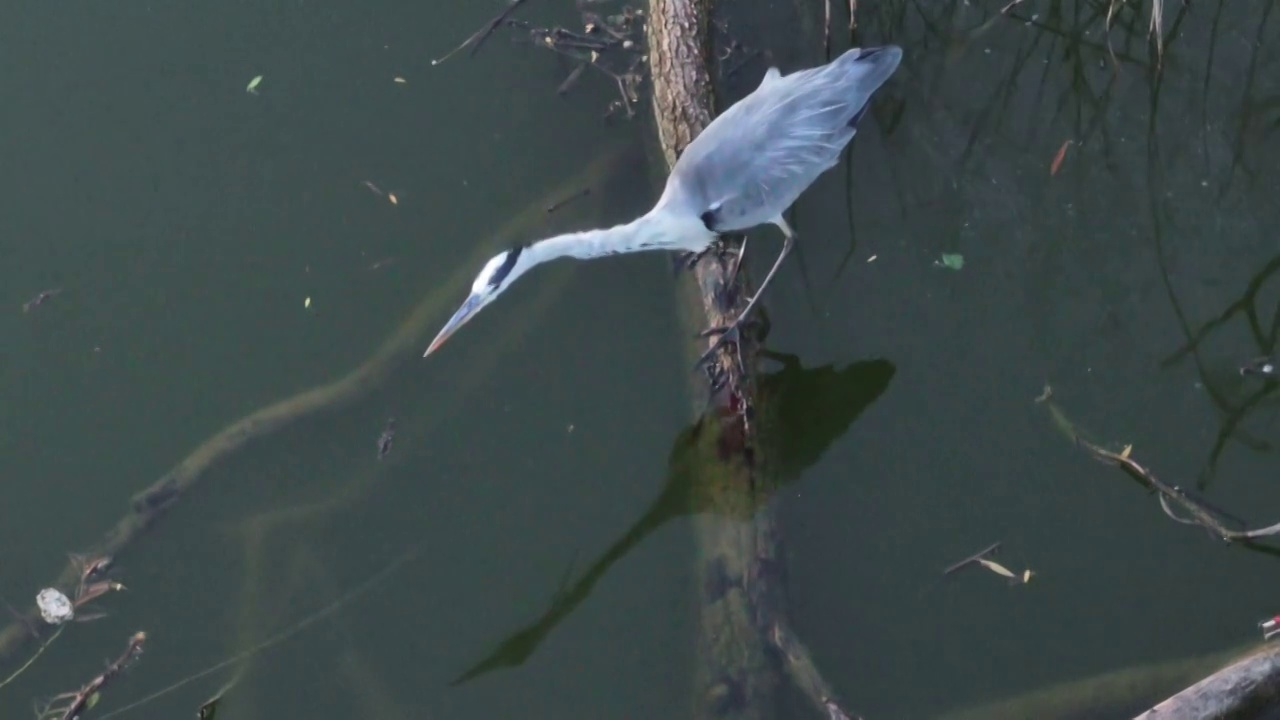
[[744, 170], [808, 409]]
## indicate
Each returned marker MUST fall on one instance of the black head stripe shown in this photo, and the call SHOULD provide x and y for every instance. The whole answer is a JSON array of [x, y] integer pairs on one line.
[[504, 269]]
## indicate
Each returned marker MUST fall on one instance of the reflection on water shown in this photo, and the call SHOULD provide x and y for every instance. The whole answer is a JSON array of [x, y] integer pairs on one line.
[[804, 410]]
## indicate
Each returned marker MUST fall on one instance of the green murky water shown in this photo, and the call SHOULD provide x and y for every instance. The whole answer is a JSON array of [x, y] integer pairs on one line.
[[187, 221]]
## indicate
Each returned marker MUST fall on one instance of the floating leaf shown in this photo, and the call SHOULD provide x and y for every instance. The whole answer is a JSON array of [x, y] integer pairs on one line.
[[252, 87], [952, 261], [997, 568], [1058, 158]]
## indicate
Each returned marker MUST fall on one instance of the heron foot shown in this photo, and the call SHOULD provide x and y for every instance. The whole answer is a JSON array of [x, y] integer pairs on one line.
[[731, 333], [732, 328]]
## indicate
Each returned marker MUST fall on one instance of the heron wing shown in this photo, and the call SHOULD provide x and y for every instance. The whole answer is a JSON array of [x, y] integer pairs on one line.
[[755, 159]]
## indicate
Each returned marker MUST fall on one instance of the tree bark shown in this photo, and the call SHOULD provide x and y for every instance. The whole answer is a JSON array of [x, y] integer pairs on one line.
[[1245, 689]]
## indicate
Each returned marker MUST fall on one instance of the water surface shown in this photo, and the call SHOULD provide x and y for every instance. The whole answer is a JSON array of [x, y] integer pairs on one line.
[[187, 221]]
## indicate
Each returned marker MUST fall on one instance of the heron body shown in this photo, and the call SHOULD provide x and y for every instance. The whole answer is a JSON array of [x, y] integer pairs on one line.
[[745, 169]]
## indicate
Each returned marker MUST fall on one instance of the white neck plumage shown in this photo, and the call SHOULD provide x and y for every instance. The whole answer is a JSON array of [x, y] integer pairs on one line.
[[658, 229]]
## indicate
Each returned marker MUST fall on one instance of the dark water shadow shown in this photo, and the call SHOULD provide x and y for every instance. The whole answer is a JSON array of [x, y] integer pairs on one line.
[[807, 409], [1224, 395], [1233, 409]]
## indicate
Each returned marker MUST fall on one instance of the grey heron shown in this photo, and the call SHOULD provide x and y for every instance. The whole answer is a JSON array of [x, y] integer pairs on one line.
[[745, 169]]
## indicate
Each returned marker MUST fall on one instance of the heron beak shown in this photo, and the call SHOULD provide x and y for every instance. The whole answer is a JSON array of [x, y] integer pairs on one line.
[[464, 313]]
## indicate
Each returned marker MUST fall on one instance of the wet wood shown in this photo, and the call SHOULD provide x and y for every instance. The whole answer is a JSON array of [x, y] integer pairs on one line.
[[682, 107], [1247, 688], [744, 637], [1241, 683]]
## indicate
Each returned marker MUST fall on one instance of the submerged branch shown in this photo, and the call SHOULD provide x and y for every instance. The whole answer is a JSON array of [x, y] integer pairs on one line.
[[152, 503], [1198, 512], [78, 701], [479, 37]]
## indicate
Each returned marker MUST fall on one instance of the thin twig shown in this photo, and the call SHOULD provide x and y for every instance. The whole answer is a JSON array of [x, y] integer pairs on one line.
[[479, 36], [572, 80], [32, 659], [980, 555], [626, 102], [1170, 495], [87, 695]]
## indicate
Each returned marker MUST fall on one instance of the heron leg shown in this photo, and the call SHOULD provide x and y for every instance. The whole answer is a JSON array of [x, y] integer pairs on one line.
[[737, 260], [732, 330]]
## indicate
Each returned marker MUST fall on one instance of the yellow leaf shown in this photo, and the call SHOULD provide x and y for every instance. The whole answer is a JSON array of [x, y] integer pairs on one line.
[[1026, 576], [400, 80], [307, 303], [1125, 453]]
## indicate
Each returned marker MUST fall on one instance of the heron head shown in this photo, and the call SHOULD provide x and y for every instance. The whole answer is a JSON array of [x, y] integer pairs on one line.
[[496, 276]]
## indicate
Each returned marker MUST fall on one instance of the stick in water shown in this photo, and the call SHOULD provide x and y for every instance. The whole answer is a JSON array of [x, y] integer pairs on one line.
[[479, 36], [974, 558]]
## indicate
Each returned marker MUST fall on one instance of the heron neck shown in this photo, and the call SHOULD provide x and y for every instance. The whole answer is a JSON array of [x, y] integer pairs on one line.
[[657, 229]]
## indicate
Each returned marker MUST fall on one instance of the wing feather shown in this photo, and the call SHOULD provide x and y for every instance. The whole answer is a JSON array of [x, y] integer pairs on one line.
[[755, 159]]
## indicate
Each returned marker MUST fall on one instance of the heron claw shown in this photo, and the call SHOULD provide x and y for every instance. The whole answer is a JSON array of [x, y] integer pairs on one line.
[[732, 328], [729, 333]]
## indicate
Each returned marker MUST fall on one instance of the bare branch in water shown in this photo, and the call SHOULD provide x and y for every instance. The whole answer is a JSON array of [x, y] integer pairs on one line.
[[1196, 511], [572, 79], [481, 35], [974, 558], [88, 694]]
